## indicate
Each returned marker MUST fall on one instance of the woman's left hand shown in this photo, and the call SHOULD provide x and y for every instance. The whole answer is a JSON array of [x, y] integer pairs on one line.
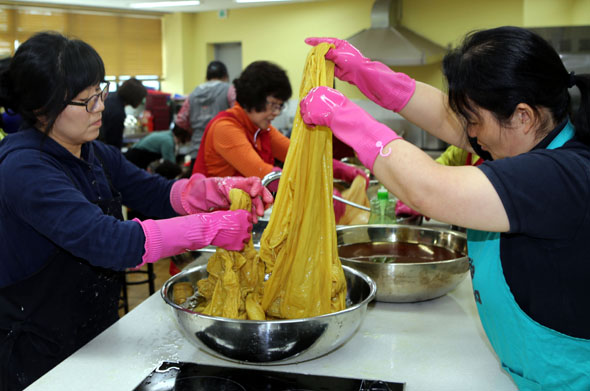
[[347, 172], [200, 194]]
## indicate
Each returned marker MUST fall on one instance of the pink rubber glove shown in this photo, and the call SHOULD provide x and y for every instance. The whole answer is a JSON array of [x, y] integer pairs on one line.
[[339, 207], [402, 209], [352, 125], [274, 185], [168, 237], [389, 89], [347, 172], [200, 194]]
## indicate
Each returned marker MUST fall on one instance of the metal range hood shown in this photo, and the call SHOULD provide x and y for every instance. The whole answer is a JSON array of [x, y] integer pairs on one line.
[[573, 45], [389, 42]]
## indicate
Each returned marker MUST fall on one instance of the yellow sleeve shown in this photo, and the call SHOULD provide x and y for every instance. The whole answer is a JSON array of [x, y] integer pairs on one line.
[[453, 156]]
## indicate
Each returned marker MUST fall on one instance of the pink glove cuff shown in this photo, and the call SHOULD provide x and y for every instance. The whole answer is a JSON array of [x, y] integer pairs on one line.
[[371, 148], [182, 203], [195, 201], [153, 241], [367, 137], [167, 237], [401, 93], [176, 196], [389, 89]]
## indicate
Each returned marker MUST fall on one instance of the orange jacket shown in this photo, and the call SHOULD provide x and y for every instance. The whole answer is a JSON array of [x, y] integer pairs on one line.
[[229, 146]]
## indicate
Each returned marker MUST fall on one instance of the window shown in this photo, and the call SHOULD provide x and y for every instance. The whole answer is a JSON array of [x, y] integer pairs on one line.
[[128, 44]]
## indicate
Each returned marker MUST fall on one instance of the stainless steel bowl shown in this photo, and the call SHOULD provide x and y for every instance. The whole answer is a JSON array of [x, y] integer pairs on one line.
[[430, 261], [272, 342]]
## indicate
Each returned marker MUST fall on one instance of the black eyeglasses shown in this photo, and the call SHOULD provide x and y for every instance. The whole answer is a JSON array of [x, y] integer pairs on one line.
[[91, 103], [275, 107]]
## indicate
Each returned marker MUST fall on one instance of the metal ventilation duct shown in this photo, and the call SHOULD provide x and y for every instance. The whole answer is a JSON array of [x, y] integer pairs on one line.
[[391, 43], [573, 45]]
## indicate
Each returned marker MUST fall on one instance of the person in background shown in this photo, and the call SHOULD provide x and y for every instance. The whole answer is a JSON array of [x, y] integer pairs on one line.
[[452, 156], [157, 145], [9, 121], [63, 237], [206, 100], [455, 156], [241, 140], [165, 168], [156, 149], [526, 210], [131, 93]]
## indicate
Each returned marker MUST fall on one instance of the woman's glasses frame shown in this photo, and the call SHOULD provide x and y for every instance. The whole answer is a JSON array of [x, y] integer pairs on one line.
[[91, 103]]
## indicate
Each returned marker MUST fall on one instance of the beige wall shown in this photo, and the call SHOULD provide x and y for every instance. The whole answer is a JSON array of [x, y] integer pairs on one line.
[[276, 33], [272, 33]]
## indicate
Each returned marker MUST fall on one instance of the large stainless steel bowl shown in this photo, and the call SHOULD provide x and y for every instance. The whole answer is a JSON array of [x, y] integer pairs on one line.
[[408, 263], [272, 342]]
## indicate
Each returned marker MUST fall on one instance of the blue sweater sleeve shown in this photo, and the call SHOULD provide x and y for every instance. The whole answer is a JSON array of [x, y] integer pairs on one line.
[[44, 209], [141, 191]]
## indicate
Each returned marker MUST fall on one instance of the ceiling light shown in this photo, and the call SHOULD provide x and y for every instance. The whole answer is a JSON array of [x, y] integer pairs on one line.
[[258, 1], [164, 4]]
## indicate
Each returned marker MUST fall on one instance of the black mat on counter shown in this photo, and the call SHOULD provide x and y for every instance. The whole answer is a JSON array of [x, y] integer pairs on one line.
[[185, 376]]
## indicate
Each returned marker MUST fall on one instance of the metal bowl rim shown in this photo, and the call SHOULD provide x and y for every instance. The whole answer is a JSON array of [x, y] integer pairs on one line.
[[410, 226], [413, 227], [443, 262], [370, 282]]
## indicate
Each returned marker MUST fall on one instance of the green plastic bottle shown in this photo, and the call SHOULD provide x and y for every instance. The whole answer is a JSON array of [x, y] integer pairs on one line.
[[382, 208]]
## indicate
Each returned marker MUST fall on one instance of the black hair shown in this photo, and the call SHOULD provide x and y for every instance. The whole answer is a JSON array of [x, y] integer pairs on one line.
[[216, 70], [4, 64], [167, 169], [183, 135], [132, 92], [258, 81], [499, 68], [47, 71]]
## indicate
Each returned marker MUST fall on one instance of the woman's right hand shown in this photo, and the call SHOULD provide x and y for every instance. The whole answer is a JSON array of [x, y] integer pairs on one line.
[[389, 89], [347, 59], [229, 229]]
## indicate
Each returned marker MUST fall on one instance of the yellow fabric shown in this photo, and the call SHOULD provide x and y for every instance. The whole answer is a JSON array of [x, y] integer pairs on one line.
[[299, 244], [356, 193], [235, 283], [298, 247]]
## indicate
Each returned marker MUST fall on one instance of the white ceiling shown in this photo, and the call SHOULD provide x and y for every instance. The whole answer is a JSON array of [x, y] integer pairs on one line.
[[206, 5]]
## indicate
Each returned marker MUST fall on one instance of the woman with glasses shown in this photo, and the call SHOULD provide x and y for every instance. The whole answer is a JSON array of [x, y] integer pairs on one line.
[[64, 240], [242, 141]]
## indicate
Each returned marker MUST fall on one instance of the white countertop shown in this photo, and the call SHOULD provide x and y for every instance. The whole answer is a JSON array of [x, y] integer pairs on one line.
[[436, 345]]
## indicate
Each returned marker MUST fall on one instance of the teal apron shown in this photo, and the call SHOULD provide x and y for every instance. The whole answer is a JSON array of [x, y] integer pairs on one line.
[[537, 357]]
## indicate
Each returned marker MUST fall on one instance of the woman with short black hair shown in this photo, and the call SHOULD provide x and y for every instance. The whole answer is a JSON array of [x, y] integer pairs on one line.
[[63, 235], [526, 207], [242, 141], [131, 93]]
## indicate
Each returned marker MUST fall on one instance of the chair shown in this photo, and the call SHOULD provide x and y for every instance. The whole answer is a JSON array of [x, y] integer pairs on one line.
[[150, 278]]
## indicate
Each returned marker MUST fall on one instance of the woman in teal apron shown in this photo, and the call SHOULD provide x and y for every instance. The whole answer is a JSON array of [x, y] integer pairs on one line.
[[527, 207]]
